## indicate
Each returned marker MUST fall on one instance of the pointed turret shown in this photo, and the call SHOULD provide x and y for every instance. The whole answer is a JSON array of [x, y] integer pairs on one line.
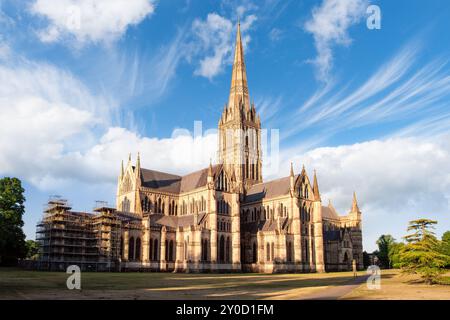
[[210, 173], [210, 177], [138, 165], [316, 188], [303, 171], [355, 207], [122, 171], [291, 179], [129, 160], [239, 87]]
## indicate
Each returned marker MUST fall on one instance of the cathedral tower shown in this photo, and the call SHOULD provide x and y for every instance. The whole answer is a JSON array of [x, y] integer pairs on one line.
[[240, 128]]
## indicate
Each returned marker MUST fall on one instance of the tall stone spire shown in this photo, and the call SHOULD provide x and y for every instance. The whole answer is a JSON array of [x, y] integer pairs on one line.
[[239, 87], [316, 188], [355, 207], [240, 128]]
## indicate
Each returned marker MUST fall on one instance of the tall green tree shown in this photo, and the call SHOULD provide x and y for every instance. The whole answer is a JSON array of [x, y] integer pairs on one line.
[[420, 230], [12, 238], [422, 254], [32, 249], [385, 242], [445, 245]]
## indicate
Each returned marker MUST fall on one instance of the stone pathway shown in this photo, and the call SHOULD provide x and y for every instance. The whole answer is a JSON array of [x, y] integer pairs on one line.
[[334, 293]]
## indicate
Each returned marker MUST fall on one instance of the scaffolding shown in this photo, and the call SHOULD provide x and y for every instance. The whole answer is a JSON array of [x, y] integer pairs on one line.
[[89, 240]]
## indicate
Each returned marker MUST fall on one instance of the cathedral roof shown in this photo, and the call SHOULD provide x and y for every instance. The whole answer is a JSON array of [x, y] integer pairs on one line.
[[160, 180], [266, 225], [197, 179], [171, 183], [270, 189], [175, 221], [329, 212]]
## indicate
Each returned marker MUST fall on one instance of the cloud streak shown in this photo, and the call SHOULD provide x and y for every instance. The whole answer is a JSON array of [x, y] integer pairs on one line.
[[329, 26], [400, 90]]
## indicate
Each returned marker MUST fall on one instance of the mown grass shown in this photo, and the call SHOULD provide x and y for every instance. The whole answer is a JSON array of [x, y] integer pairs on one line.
[[21, 283]]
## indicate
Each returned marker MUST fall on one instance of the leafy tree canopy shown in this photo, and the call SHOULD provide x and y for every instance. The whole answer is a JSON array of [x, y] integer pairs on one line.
[[421, 229], [32, 249], [422, 254], [385, 242], [12, 238]]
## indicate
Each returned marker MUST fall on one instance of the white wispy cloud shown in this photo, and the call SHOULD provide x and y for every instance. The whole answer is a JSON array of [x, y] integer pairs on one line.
[[384, 77], [213, 42], [329, 26], [275, 34], [43, 112], [55, 132], [268, 107], [5, 49], [401, 89], [89, 20], [161, 68]]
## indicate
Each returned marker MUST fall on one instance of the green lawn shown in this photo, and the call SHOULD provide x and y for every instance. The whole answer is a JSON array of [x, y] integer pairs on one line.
[[20, 284]]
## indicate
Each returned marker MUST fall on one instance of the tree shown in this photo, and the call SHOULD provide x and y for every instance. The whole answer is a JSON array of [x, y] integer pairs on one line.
[[421, 229], [394, 254], [32, 249], [445, 245], [385, 242], [12, 238], [421, 255]]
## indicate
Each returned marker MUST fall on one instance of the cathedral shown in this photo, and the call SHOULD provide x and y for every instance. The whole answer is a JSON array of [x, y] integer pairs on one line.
[[223, 218]]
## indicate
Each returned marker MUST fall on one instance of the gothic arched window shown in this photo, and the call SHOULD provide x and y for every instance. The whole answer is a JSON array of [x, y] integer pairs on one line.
[[273, 251], [155, 250], [121, 247], [137, 255], [222, 249], [171, 258], [228, 250], [150, 250], [126, 205], [131, 249]]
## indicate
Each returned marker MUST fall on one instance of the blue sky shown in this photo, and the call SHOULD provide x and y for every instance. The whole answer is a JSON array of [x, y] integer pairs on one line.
[[83, 85]]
